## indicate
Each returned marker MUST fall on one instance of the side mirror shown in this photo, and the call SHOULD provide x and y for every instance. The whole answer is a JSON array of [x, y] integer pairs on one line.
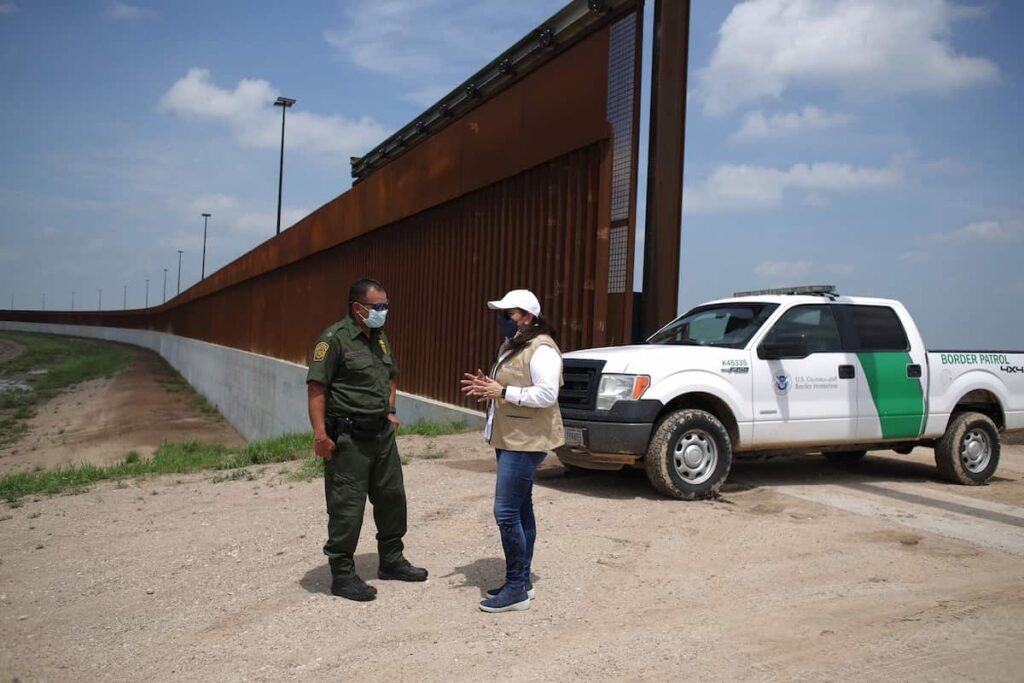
[[781, 346]]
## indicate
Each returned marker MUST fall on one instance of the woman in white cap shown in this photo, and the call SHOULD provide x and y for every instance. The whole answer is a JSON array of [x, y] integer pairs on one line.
[[523, 424]]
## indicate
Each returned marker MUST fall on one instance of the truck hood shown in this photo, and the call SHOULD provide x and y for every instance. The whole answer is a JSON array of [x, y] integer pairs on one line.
[[658, 360]]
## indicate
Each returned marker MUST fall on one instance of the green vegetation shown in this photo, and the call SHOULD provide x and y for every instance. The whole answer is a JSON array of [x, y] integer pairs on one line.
[[170, 458], [50, 364], [174, 383], [429, 428], [193, 456]]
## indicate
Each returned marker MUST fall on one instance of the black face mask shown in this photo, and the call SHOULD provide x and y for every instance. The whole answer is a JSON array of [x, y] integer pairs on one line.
[[507, 326]]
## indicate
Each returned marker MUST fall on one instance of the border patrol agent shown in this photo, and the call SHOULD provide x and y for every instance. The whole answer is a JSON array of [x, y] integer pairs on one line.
[[351, 387]]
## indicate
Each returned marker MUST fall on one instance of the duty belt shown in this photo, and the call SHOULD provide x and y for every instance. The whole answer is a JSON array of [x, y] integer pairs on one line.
[[357, 426]]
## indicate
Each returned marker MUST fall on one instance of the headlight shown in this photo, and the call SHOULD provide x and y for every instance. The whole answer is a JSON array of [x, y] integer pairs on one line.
[[620, 388]]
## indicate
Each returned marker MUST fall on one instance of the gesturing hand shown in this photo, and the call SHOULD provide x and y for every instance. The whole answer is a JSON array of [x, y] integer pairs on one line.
[[481, 386], [469, 382]]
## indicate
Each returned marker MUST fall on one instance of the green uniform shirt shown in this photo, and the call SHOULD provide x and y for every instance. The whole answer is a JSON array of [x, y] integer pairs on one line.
[[356, 371]]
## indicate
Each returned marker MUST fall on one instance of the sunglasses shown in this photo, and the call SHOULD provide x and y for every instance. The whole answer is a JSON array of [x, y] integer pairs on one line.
[[383, 306]]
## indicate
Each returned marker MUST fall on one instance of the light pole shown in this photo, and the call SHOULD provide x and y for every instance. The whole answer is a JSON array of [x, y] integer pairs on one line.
[[147, 292], [180, 252], [206, 217], [44, 301], [165, 285], [284, 103]]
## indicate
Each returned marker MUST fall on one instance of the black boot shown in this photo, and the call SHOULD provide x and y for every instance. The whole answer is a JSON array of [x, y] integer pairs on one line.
[[353, 588], [403, 571]]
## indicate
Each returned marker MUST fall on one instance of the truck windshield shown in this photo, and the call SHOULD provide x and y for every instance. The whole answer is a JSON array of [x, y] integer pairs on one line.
[[725, 325]]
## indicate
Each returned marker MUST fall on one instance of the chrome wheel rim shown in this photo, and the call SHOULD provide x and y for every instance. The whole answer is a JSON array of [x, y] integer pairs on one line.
[[695, 456], [975, 451]]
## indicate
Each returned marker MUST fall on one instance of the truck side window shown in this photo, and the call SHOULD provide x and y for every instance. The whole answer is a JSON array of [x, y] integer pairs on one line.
[[815, 323], [877, 328]]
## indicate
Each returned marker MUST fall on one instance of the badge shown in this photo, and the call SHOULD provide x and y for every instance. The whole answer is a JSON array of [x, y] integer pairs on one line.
[[383, 346], [320, 351]]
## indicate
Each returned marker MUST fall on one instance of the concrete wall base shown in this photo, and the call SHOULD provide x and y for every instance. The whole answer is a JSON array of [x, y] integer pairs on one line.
[[260, 396]]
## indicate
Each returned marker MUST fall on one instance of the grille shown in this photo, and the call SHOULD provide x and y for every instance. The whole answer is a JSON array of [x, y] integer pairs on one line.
[[579, 392]]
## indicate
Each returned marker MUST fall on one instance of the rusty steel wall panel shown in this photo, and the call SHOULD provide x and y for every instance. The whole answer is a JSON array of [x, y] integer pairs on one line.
[[515, 194]]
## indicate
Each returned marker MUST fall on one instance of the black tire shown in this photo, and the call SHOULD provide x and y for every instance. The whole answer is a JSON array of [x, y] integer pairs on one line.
[[668, 470], [968, 453], [845, 456]]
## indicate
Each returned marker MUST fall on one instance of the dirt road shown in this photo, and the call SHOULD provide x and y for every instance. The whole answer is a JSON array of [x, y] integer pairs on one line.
[[803, 571], [102, 420], [9, 350]]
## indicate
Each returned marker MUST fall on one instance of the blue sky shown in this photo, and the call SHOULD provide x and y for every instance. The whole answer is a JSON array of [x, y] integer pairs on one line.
[[866, 143]]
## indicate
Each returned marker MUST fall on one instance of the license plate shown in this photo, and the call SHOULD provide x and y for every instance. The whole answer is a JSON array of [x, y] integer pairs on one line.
[[573, 436]]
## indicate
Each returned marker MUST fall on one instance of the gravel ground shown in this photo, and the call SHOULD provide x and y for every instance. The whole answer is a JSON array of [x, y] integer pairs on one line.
[[179, 578]]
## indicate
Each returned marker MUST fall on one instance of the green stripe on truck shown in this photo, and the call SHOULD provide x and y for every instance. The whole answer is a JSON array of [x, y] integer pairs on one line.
[[898, 398]]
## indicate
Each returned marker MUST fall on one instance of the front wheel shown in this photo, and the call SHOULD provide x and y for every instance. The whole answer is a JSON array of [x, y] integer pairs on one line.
[[690, 455], [968, 453]]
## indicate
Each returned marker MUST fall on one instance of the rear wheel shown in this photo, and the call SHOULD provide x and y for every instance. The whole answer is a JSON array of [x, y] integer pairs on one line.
[[845, 456], [689, 456], [968, 453]]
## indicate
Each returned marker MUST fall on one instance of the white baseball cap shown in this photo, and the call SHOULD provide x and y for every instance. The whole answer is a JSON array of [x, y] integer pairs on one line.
[[517, 298]]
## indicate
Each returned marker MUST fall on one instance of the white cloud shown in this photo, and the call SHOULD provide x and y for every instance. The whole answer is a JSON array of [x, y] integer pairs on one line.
[[745, 188], [122, 10], [8, 8], [757, 126], [862, 47], [231, 216], [777, 269], [433, 45], [984, 231], [915, 256], [249, 110]]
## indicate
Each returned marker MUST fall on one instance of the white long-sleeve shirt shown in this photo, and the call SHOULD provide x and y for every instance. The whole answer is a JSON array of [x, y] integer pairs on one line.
[[545, 372]]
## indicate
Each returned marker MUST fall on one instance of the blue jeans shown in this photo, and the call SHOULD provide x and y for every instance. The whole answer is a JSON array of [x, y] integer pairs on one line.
[[513, 511]]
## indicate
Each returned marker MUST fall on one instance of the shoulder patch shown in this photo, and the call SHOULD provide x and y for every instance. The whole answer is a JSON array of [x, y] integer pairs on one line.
[[320, 351], [383, 346]]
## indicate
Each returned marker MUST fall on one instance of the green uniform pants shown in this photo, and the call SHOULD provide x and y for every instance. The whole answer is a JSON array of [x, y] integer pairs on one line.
[[362, 467]]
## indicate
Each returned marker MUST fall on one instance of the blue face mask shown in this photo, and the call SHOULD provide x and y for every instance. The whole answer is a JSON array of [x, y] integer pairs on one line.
[[507, 326], [374, 318]]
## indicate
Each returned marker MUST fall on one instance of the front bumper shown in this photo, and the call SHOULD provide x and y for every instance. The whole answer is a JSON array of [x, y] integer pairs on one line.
[[610, 438]]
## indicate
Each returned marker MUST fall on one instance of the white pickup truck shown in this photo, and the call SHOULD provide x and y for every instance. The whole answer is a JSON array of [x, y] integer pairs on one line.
[[799, 370]]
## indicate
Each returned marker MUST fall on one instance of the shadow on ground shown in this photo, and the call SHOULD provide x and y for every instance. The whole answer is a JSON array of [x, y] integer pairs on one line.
[[318, 579], [483, 574]]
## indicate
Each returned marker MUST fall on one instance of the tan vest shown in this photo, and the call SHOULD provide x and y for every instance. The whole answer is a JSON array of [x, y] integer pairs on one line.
[[521, 428]]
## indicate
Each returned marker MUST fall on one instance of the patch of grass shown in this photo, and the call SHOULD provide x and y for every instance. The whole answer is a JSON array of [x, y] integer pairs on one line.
[[67, 361], [431, 453], [234, 475], [311, 467], [174, 383], [170, 458], [431, 428]]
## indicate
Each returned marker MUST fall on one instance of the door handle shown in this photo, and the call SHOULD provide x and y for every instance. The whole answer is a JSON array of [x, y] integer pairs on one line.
[[913, 371], [847, 372]]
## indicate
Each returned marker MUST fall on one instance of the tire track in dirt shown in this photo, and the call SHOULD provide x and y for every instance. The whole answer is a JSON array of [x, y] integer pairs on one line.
[[9, 350]]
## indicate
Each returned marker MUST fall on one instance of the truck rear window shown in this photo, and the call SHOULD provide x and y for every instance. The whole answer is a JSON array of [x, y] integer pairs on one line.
[[876, 328], [726, 325]]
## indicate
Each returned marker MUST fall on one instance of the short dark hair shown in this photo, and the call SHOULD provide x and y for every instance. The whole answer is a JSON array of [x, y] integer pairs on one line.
[[361, 287]]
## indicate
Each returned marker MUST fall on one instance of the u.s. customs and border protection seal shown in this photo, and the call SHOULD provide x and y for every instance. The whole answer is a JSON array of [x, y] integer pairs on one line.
[[320, 351]]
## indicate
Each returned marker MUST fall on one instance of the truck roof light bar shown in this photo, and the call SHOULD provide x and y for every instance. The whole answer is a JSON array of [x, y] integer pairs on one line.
[[806, 290]]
